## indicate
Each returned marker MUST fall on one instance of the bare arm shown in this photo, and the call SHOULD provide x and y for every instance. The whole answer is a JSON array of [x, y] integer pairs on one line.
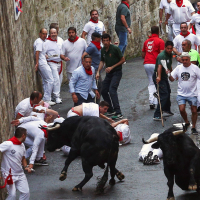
[[52, 112], [64, 58], [159, 70], [123, 19], [167, 17], [108, 69], [18, 116], [160, 15], [83, 34], [104, 117], [176, 51], [120, 122], [37, 53], [143, 54], [24, 163], [101, 64]]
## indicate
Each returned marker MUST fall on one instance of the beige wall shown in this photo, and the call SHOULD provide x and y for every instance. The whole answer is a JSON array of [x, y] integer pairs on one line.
[[17, 76]]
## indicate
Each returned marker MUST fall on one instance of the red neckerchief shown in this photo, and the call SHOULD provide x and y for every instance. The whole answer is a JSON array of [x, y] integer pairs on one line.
[[73, 40], [94, 21], [124, 2], [178, 3], [49, 38], [153, 35], [97, 44], [88, 71], [198, 12], [188, 33], [14, 140]]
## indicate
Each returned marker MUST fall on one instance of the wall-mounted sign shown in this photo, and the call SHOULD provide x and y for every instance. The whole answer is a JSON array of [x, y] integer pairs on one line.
[[17, 8]]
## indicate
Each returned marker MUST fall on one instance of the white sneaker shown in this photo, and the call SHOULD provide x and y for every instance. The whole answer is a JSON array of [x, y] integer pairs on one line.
[[58, 100], [51, 103]]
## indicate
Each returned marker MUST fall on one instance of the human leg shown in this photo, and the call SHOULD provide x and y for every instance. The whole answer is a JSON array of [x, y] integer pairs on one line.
[[116, 77], [60, 72], [89, 99], [149, 68], [11, 189], [47, 78], [170, 31], [105, 90], [122, 40], [182, 110], [80, 100]]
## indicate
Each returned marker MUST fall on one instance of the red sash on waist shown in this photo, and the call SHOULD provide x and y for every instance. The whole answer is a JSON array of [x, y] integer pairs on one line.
[[8, 180], [53, 61]]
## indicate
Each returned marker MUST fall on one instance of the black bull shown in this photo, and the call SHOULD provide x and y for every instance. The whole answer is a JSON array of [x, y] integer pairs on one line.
[[92, 138], [181, 159]]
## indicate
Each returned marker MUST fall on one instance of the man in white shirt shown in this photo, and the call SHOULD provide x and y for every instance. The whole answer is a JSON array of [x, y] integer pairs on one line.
[[43, 67], [181, 11], [60, 42], [72, 50], [187, 75], [164, 4], [13, 158], [25, 107], [185, 34], [94, 25], [52, 49]]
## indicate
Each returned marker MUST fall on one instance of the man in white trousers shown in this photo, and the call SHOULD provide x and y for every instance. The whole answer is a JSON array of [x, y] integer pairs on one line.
[[13, 158], [148, 155], [42, 66], [151, 48], [51, 48]]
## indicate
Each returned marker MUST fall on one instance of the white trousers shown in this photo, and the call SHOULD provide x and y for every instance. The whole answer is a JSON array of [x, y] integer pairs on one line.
[[47, 81], [55, 67], [66, 149], [69, 75], [149, 68], [147, 147], [198, 89], [71, 114], [20, 183], [170, 31]]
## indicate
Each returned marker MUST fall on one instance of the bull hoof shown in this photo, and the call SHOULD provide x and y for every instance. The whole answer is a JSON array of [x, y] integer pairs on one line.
[[192, 187], [99, 190], [120, 176], [75, 189], [171, 198], [112, 181], [63, 176]]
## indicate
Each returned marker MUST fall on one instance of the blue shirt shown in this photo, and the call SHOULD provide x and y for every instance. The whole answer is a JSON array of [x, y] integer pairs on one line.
[[83, 83], [96, 55]]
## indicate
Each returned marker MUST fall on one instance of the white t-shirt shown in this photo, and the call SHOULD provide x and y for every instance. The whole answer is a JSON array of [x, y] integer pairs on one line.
[[90, 109], [179, 39], [181, 14], [12, 158], [165, 5], [196, 20], [24, 108], [73, 51], [39, 115], [91, 27], [126, 134], [52, 49], [187, 79], [38, 45]]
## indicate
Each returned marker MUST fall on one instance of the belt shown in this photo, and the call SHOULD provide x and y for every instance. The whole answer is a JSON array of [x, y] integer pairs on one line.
[[75, 111], [53, 61]]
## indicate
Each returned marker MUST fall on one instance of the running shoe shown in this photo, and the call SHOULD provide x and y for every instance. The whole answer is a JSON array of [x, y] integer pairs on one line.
[[117, 116], [58, 100], [152, 106], [157, 119], [194, 131], [110, 113], [41, 162]]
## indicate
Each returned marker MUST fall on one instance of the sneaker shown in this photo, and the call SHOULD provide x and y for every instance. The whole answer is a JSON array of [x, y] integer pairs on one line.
[[168, 113], [41, 162], [187, 125], [152, 106], [198, 109], [110, 113], [124, 63], [156, 160], [51, 103], [117, 116], [58, 100], [155, 94], [157, 119], [147, 159], [194, 131]]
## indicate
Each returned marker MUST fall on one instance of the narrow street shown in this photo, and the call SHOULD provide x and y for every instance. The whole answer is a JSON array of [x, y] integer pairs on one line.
[[141, 182]]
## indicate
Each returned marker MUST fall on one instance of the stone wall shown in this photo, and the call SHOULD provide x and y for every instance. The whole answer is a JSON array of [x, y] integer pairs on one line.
[[17, 75]]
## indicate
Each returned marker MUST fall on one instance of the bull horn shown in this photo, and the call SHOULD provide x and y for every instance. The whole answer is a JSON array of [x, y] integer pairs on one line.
[[150, 140], [175, 133], [57, 126]]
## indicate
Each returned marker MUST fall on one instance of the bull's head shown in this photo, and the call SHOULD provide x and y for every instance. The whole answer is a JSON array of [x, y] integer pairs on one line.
[[167, 142], [53, 142]]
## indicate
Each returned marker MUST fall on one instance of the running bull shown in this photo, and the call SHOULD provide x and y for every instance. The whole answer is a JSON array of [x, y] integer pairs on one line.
[[92, 138], [181, 159]]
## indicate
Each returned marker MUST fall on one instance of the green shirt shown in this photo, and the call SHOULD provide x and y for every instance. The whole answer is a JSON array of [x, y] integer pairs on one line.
[[122, 9], [111, 57], [194, 56], [164, 56]]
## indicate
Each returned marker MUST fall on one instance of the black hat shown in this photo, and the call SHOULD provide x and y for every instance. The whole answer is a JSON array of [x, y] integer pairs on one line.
[[96, 34]]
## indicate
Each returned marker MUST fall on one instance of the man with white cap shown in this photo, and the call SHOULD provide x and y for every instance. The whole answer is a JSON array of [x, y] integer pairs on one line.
[[181, 11], [187, 75], [149, 155]]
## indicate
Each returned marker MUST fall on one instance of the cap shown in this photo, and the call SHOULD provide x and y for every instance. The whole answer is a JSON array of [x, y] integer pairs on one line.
[[96, 34], [185, 54]]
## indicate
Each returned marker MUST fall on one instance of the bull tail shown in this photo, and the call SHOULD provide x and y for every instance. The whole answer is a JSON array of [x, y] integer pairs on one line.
[[101, 183]]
